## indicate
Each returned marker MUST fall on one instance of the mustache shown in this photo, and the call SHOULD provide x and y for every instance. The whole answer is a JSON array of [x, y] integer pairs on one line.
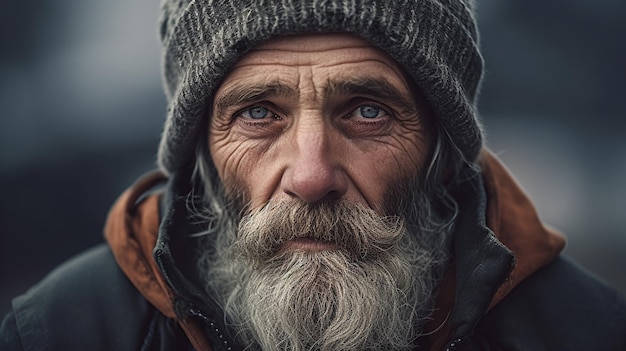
[[354, 229]]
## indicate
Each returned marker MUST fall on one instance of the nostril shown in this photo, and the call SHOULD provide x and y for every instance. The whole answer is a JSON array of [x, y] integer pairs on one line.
[[333, 195], [328, 197]]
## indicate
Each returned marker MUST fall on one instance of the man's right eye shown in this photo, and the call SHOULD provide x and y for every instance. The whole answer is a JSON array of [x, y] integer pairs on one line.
[[258, 119], [257, 112]]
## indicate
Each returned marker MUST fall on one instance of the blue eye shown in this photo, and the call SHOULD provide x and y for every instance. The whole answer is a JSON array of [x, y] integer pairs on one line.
[[258, 112], [369, 111]]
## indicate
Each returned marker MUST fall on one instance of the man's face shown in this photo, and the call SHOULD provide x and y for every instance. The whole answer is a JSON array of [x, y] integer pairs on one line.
[[316, 118], [338, 248]]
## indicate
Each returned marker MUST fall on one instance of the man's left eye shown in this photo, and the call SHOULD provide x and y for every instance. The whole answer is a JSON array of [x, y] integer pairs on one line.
[[368, 112]]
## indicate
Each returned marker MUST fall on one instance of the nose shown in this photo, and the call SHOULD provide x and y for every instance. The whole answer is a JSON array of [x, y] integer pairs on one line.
[[315, 172]]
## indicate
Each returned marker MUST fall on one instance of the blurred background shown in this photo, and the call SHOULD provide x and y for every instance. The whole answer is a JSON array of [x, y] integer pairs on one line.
[[82, 108]]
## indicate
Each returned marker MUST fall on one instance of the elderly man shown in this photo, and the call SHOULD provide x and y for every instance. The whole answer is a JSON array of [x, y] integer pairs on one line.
[[323, 186]]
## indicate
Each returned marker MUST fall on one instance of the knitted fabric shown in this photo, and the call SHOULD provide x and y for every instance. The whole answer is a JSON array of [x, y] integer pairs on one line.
[[436, 42]]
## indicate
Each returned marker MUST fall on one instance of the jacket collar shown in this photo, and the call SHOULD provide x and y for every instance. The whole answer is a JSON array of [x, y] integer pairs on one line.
[[142, 245], [500, 241], [131, 231]]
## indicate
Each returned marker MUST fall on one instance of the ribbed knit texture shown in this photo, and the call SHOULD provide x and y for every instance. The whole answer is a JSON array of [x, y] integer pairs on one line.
[[436, 42]]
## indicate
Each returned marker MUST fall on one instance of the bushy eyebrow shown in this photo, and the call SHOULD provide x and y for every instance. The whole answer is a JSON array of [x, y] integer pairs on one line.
[[247, 94], [377, 88]]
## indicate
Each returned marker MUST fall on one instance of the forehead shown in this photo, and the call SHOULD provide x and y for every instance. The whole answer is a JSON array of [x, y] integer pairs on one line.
[[329, 53], [322, 58]]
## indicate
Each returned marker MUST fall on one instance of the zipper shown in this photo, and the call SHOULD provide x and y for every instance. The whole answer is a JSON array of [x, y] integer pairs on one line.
[[217, 336], [213, 328]]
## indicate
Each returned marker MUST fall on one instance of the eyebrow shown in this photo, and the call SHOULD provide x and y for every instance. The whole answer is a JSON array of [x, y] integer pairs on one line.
[[246, 94], [378, 88]]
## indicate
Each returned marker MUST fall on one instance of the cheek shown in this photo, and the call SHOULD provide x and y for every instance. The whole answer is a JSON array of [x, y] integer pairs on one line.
[[241, 163], [379, 165]]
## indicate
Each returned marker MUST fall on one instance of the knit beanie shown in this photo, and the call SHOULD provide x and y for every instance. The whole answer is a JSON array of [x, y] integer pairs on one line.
[[435, 41]]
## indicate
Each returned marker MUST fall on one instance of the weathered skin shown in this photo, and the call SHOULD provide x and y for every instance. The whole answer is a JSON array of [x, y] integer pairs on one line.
[[313, 142]]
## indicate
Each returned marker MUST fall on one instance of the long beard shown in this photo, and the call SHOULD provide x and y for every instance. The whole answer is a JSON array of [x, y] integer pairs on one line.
[[372, 291]]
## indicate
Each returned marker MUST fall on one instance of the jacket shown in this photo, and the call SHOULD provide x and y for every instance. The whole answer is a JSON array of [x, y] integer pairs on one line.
[[507, 288]]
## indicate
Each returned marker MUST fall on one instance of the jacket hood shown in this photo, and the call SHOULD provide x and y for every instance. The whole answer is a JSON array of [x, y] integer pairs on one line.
[[501, 243]]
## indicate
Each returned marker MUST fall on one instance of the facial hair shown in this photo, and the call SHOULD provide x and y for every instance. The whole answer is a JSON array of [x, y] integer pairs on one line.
[[373, 290]]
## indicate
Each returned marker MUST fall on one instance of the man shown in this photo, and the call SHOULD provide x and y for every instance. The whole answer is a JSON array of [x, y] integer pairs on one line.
[[323, 186]]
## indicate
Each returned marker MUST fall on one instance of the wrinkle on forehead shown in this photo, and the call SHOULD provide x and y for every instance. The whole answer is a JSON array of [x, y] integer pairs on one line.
[[350, 54], [246, 89]]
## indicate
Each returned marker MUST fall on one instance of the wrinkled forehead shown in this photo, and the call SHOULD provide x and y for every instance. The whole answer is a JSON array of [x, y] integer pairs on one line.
[[328, 59]]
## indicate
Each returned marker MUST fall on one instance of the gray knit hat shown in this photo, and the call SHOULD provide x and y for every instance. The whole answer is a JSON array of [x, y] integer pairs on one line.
[[436, 42]]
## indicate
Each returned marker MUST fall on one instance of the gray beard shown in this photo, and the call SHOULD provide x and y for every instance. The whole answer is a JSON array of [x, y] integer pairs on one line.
[[374, 291]]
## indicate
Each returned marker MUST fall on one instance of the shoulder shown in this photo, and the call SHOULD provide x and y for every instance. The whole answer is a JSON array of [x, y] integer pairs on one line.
[[87, 303], [560, 307]]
